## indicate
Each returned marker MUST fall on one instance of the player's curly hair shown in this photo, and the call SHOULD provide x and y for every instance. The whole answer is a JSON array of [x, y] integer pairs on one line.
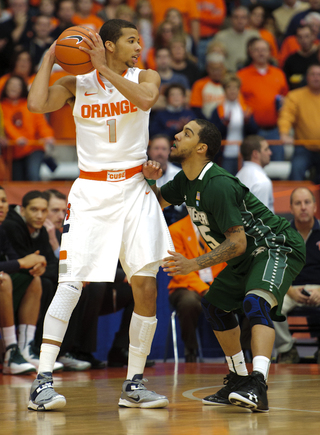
[[111, 30], [210, 135]]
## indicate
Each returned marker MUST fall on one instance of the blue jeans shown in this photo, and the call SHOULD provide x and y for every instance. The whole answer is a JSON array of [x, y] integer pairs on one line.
[[277, 150], [302, 160], [27, 168]]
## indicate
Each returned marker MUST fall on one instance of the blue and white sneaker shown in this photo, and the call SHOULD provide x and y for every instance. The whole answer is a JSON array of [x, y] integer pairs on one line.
[[135, 395], [42, 395]]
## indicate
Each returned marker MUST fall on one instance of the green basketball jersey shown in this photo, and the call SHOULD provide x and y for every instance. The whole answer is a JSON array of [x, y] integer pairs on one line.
[[217, 201]]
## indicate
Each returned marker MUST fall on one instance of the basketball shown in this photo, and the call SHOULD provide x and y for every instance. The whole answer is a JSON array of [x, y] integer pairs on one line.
[[68, 55]]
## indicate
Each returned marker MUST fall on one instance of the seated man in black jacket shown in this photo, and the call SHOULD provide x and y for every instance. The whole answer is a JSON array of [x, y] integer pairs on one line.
[[20, 294], [24, 228]]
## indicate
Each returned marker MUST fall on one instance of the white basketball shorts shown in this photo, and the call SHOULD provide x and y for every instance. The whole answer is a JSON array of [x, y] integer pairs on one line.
[[107, 221]]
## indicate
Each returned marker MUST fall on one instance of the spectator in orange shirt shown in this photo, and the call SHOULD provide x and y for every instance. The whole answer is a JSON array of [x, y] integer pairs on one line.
[[207, 93], [263, 85], [84, 17], [186, 291], [212, 15], [257, 18], [188, 9], [25, 129], [21, 65]]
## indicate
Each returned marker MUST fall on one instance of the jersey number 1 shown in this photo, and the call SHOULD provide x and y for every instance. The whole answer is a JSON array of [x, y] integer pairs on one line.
[[111, 123]]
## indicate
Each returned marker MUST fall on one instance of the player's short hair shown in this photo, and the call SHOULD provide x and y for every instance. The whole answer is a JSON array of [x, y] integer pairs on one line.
[[210, 135], [306, 188], [33, 194], [111, 30], [249, 144], [53, 193]]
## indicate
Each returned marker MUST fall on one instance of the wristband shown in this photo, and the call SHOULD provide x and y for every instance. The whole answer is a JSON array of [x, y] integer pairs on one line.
[[151, 182]]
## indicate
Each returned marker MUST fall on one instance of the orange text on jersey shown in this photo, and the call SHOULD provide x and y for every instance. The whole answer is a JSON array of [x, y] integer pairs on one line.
[[107, 109]]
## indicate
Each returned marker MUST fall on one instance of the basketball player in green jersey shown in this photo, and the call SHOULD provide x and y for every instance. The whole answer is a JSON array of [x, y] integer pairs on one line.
[[264, 254]]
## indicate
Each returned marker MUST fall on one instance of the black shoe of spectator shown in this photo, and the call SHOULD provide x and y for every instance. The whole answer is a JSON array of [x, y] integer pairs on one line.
[[118, 357], [95, 363]]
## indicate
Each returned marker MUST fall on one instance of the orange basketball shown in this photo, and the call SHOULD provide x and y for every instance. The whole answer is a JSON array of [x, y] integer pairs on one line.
[[67, 52]]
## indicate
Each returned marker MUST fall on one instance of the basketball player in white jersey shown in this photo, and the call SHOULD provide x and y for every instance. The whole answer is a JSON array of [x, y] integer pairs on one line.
[[112, 212]]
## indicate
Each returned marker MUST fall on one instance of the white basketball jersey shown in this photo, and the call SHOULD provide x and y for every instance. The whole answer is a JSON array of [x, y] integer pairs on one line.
[[112, 133]]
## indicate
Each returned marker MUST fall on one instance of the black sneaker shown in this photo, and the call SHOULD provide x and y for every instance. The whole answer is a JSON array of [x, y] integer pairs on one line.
[[232, 382], [253, 394]]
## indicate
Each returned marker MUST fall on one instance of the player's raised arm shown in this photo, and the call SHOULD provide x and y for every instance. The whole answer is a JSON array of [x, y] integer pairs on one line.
[[42, 98], [143, 94]]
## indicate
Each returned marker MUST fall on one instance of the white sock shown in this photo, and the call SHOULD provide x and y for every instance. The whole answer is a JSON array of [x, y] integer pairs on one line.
[[261, 364], [48, 356], [141, 334], [9, 335], [237, 364], [25, 335]]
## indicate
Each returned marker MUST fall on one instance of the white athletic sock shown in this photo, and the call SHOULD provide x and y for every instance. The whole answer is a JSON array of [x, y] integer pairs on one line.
[[237, 364], [48, 356], [261, 364], [9, 335], [141, 334], [25, 335]]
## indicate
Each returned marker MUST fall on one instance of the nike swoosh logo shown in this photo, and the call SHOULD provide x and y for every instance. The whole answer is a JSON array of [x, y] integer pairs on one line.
[[147, 193], [136, 399], [86, 94], [79, 38]]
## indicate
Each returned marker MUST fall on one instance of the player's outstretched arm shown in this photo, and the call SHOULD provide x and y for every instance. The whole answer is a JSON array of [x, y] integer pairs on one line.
[[44, 99]]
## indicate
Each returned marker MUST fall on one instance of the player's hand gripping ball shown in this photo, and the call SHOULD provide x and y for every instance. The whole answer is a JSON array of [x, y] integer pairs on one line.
[[68, 55]]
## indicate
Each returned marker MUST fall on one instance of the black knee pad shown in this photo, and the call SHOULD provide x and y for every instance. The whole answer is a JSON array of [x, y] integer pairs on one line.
[[257, 310], [219, 320]]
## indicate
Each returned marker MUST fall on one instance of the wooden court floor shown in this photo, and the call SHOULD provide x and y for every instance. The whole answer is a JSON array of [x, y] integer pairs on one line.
[[92, 397]]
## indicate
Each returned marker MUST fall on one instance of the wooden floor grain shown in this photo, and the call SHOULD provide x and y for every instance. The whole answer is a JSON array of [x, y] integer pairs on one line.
[[92, 397]]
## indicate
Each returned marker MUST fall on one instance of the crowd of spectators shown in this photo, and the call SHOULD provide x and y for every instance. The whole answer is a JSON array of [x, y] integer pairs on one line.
[[268, 45], [250, 68]]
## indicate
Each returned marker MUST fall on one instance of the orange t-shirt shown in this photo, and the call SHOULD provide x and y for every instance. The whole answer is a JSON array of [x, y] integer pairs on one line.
[[20, 122], [188, 9], [91, 21], [207, 95], [186, 243], [260, 90], [212, 15]]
